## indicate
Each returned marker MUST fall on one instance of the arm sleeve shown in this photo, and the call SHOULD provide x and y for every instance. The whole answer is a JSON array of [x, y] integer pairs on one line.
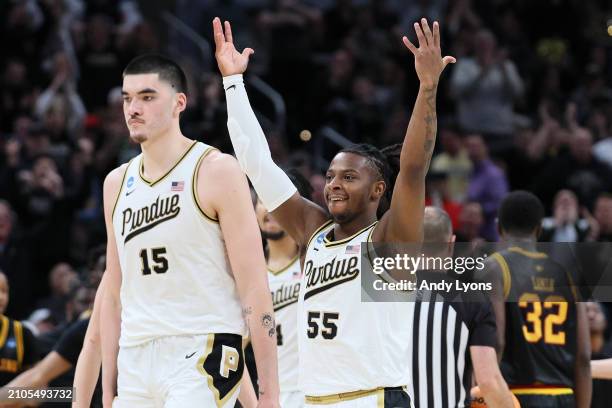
[[70, 344], [251, 147], [484, 330]]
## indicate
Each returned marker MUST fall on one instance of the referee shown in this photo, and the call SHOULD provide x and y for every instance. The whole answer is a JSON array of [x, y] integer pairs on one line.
[[453, 336]]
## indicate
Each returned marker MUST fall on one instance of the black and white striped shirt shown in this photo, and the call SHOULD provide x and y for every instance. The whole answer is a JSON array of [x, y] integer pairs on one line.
[[445, 326]]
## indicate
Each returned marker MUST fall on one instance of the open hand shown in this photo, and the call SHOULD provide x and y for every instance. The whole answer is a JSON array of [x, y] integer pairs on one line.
[[229, 60], [428, 60]]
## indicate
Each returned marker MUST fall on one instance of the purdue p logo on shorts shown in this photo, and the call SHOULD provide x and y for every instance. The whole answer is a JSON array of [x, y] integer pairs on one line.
[[222, 364], [229, 360]]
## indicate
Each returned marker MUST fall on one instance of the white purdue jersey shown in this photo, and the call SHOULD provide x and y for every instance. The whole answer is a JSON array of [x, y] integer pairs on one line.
[[285, 288], [176, 278], [346, 345]]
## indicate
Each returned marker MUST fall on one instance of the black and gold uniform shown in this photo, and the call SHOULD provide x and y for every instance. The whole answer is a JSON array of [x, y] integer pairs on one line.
[[17, 349], [540, 332]]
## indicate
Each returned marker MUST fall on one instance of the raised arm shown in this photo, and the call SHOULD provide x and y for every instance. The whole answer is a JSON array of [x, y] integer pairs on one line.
[[222, 184], [298, 216], [404, 220], [110, 312]]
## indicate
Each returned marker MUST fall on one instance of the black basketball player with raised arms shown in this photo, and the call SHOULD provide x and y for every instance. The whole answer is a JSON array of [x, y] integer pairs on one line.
[[352, 354]]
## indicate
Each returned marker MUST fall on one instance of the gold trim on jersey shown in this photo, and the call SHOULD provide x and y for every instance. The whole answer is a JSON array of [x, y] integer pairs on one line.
[[210, 341], [506, 277], [120, 188], [194, 184], [381, 399], [529, 254], [286, 267], [4, 331], [331, 244], [321, 228], [152, 183], [542, 391], [347, 396], [19, 340]]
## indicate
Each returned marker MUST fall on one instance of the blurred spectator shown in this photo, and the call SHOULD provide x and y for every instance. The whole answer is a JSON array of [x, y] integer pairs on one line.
[[100, 62], [576, 169], [59, 106], [564, 225], [61, 278], [488, 184], [78, 304], [471, 220], [207, 117], [454, 161], [19, 349], [486, 87], [317, 182], [15, 261], [600, 349], [41, 322], [603, 216], [437, 195]]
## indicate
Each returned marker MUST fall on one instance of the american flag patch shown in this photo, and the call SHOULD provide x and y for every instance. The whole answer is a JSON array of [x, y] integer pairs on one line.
[[177, 186], [352, 249]]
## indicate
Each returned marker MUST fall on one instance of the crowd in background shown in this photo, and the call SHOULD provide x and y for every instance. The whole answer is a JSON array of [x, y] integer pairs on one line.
[[528, 105]]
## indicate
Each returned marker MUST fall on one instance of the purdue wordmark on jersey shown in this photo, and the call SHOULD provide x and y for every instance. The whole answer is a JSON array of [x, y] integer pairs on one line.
[[176, 278]]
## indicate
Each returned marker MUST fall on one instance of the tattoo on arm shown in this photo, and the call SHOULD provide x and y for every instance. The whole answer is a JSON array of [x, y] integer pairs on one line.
[[246, 313], [267, 321], [430, 119]]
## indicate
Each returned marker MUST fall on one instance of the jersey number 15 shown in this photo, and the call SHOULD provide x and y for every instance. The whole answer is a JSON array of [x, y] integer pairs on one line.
[[156, 262]]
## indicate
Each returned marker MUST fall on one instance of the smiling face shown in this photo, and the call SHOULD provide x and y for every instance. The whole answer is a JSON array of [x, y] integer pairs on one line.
[[150, 106], [352, 187]]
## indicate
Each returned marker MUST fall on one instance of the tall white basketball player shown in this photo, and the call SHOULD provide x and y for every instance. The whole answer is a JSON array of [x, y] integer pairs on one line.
[[184, 260], [285, 275], [352, 354]]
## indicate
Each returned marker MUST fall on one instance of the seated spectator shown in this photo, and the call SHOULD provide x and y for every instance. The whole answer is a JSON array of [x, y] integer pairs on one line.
[[19, 349]]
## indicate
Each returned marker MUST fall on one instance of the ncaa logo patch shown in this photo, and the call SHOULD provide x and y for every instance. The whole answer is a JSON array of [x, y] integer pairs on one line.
[[11, 343], [130, 182]]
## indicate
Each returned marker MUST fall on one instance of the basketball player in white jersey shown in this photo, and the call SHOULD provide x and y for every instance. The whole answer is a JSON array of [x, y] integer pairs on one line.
[[184, 260], [284, 275], [352, 354]]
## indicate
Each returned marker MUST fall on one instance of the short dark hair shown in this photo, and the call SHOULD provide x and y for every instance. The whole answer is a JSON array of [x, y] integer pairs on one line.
[[385, 162], [168, 70], [520, 212]]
